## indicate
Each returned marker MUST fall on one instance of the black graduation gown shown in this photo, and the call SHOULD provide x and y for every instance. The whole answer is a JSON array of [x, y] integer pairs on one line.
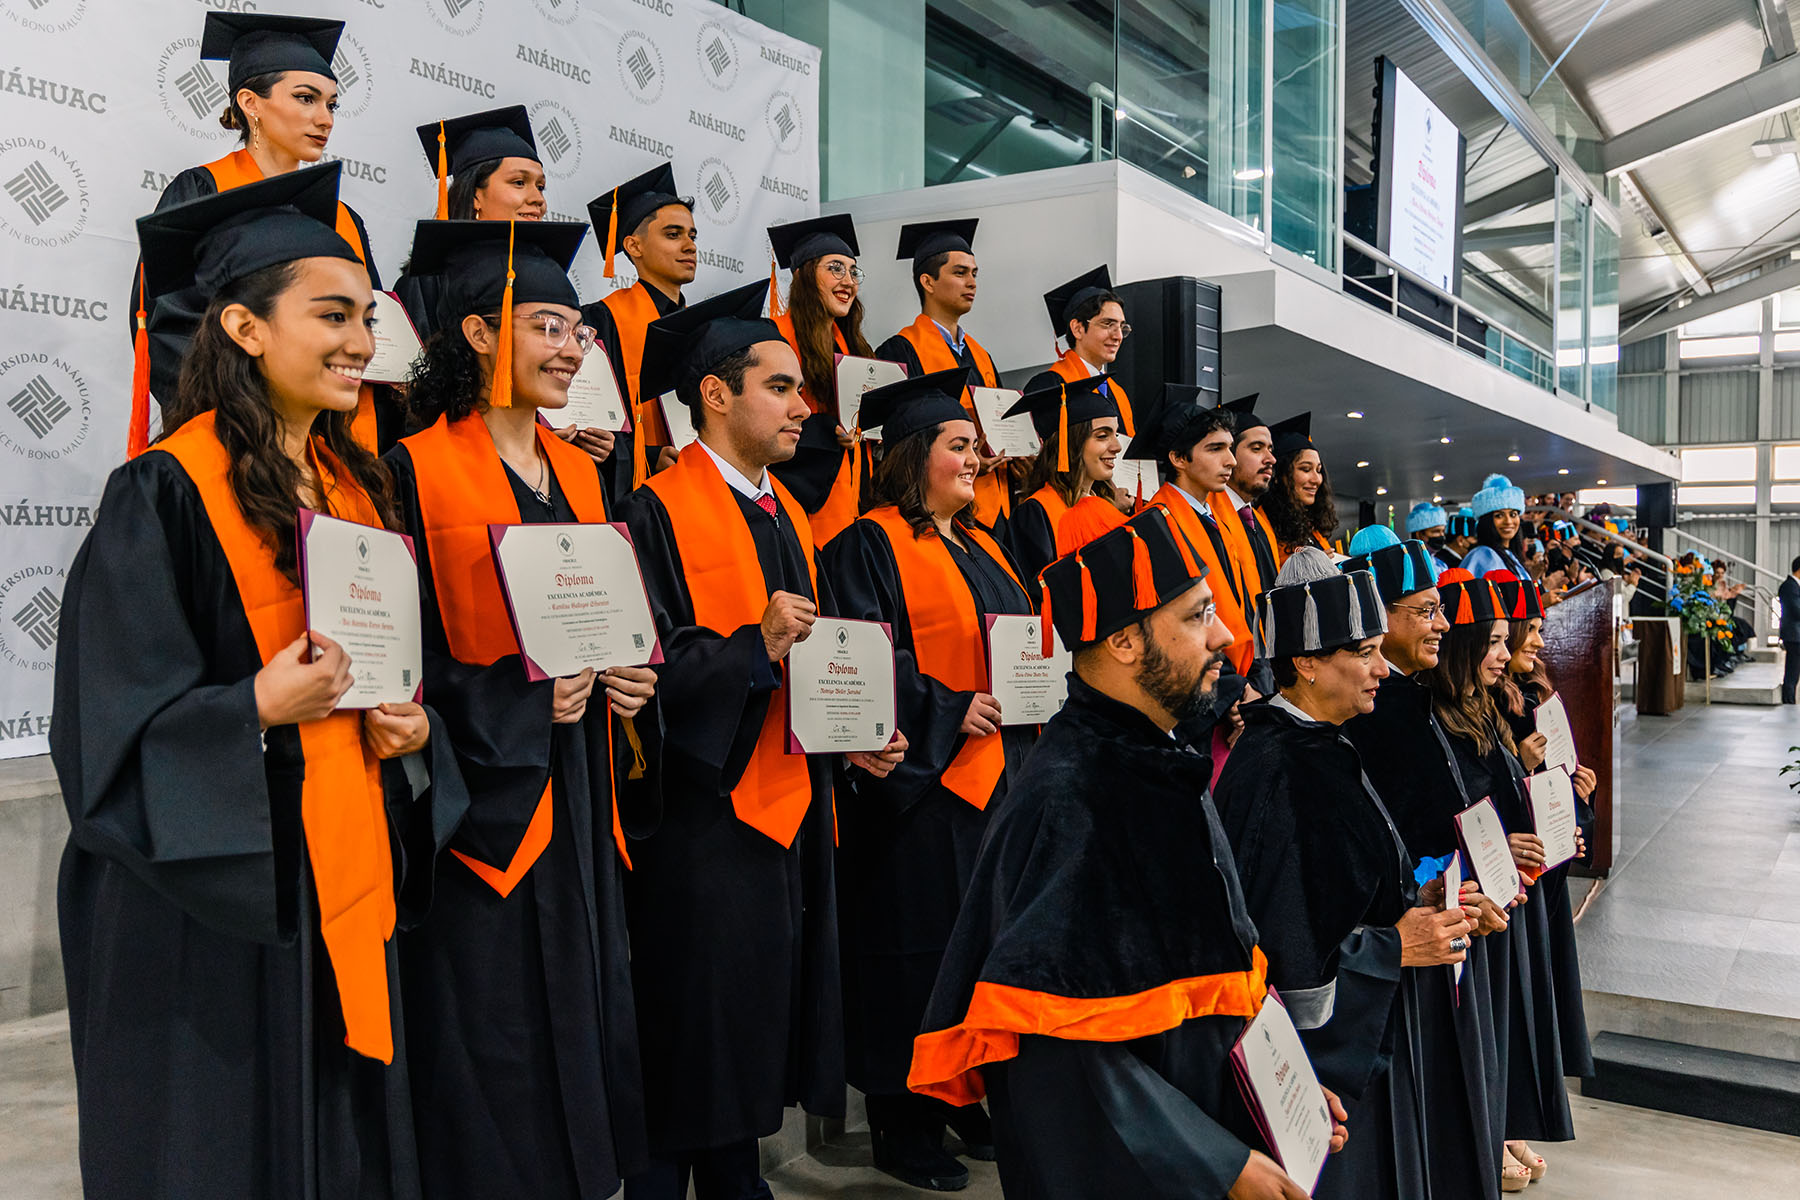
[[1072, 897], [172, 318], [207, 1033], [906, 844], [617, 468], [734, 937], [419, 296], [1461, 1040], [523, 1034], [1559, 914], [1031, 540], [1325, 880], [1537, 1100]]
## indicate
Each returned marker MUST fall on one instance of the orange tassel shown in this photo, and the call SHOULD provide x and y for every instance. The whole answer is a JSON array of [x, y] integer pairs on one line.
[[612, 786], [1090, 618], [612, 235], [1062, 428], [640, 462], [1138, 507], [1048, 625], [856, 466], [443, 205], [500, 395], [1143, 579], [774, 291], [137, 435]]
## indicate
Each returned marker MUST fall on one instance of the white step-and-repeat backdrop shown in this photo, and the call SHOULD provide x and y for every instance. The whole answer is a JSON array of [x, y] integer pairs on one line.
[[103, 101]]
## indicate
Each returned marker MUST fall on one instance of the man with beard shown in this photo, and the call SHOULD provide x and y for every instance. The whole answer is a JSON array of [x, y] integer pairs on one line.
[[1253, 540], [1069, 990]]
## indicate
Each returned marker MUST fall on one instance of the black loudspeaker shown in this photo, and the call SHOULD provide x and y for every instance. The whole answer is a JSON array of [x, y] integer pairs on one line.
[[1174, 339], [1656, 505]]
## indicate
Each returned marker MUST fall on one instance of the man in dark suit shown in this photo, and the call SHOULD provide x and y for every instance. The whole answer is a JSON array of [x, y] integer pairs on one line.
[[1789, 594]]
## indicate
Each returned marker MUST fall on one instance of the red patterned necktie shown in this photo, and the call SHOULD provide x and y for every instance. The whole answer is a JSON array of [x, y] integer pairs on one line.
[[766, 502]]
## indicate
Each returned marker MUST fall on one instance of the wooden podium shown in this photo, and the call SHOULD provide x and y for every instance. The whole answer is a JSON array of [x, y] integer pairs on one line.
[[1661, 685], [1579, 650]]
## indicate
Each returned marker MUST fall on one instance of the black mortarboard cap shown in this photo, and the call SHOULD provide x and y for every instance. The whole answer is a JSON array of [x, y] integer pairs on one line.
[[1174, 427], [209, 242], [634, 199], [1088, 399], [913, 405], [924, 239], [1102, 586], [469, 257], [257, 44], [1063, 299], [799, 242], [481, 137], [682, 348], [1292, 435], [1244, 409]]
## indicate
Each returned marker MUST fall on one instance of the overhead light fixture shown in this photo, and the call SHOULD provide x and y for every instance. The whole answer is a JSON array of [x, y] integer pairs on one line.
[[1362, 462], [1354, 415], [1437, 479], [1562, 470], [1249, 174], [1188, 172], [1435, 499], [1600, 482], [1775, 147], [1381, 491], [1512, 458], [1444, 441]]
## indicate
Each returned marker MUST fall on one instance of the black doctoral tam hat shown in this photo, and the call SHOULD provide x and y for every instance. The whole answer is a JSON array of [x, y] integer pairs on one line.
[[1314, 607], [1120, 576]]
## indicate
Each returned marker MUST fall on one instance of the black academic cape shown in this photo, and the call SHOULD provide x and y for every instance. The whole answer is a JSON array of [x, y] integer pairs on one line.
[[734, 937], [204, 1018], [172, 318], [1326, 878], [617, 468], [1031, 540], [419, 295], [521, 1024], [1537, 1100], [1461, 1037], [906, 843], [1087, 894], [1559, 915]]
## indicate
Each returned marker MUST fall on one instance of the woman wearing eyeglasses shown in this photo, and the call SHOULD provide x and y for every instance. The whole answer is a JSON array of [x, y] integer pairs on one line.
[[519, 1014], [823, 321]]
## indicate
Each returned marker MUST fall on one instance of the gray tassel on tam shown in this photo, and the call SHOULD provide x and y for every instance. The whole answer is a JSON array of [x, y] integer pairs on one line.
[[1309, 624]]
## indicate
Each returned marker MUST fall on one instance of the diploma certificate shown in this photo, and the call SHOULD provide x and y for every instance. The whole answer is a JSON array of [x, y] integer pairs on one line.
[[1283, 1094], [575, 597], [1559, 739], [1553, 816], [594, 399], [840, 688], [1133, 477], [396, 342], [1453, 881], [361, 589], [1029, 687], [679, 420], [1484, 841], [1010, 437], [856, 376]]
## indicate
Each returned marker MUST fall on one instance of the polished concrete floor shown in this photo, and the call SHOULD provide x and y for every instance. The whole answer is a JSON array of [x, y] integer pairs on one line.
[[1703, 905]]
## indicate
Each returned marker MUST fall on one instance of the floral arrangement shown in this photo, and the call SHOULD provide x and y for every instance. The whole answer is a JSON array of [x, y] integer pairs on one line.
[[1691, 599]]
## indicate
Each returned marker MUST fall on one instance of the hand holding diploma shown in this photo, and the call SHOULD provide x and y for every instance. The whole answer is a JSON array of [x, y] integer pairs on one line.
[[880, 763], [303, 682], [1428, 933], [629, 689], [787, 619], [983, 716], [396, 730], [569, 698]]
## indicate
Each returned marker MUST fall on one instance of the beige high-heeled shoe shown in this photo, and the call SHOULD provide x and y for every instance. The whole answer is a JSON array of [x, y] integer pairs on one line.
[[1528, 1158], [1515, 1176]]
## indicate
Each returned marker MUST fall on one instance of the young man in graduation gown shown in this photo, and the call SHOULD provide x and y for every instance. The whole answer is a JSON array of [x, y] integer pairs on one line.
[[1409, 761], [733, 921], [944, 275], [654, 226], [1089, 316], [1246, 528], [283, 64], [241, 851], [1103, 965]]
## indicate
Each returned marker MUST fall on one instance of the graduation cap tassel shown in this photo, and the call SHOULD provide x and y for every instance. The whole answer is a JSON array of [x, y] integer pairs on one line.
[[1309, 622], [1062, 428], [1090, 615], [500, 395], [1143, 578], [774, 290], [1356, 619], [640, 462], [1138, 506], [443, 173], [137, 436], [612, 236], [1047, 622]]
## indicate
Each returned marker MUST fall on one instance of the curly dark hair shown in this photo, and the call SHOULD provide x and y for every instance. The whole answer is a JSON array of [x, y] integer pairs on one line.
[[1066, 483], [812, 326], [447, 379], [899, 479], [1293, 525], [217, 376]]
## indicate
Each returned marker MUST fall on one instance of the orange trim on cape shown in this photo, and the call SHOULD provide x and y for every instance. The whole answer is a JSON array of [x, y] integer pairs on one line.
[[993, 496], [843, 503], [238, 168], [1074, 368], [462, 490], [1231, 610], [343, 812], [726, 585], [1053, 506], [633, 309], [946, 1063], [949, 641]]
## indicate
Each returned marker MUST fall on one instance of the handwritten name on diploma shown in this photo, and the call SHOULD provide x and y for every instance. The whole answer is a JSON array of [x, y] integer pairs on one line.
[[575, 597], [840, 688], [360, 586]]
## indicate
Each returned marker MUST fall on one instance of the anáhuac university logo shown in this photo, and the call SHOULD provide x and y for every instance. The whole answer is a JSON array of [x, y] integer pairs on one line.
[[30, 613], [558, 137], [640, 68], [193, 92], [717, 51], [43, 192], [460, 17], [560, 12], [45, 16], [786, 126], [44, 408], [716, 190]]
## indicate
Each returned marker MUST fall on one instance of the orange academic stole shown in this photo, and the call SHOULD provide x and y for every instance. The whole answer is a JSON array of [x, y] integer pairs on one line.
[[993, 498], [1231, 605], [633, 309], [1072, 367]]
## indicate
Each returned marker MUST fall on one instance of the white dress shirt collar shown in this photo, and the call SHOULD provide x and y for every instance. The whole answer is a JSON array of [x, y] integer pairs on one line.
[[735, 477]]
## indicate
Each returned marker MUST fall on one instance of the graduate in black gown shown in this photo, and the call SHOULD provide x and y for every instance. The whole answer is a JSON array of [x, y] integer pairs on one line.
[[1326, 878], [733, 920], [919, 562], [1525, 686], [520, 1016], [1100, 917], [1084, 417], [239, 852], [283, 108], [1472, 663]]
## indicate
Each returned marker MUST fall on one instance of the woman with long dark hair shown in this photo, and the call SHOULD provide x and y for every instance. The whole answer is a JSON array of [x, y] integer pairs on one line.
[[1463, 685], [1499, 529], [1299, 503], [283, 105], [1078, 428], [823, 320], [520, 1019], [241, 848], [919, 561]]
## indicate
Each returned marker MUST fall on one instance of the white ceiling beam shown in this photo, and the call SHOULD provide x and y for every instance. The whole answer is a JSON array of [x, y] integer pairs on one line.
[[1770, 90], [1766, 284]]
